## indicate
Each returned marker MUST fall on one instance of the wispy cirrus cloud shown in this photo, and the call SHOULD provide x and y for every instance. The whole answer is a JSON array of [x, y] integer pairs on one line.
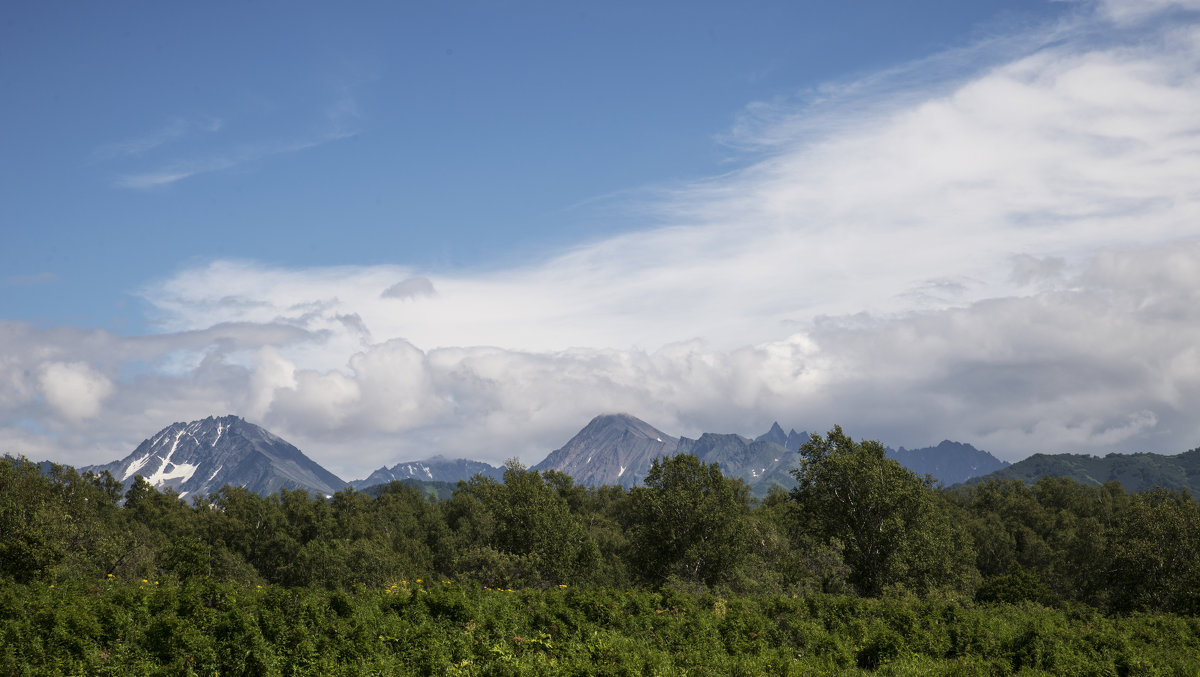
[[177, 128], [337, 121], [185, 169]]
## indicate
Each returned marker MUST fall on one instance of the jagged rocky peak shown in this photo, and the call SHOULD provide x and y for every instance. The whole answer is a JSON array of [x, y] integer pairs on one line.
[[775, 434], [200, 457]]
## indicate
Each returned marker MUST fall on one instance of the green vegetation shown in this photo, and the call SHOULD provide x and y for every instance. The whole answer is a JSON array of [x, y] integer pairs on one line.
[[863, 567], [1134, 472]]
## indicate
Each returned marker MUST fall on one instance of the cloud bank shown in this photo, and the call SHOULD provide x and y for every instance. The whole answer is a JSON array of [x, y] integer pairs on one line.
[[1005, 255]]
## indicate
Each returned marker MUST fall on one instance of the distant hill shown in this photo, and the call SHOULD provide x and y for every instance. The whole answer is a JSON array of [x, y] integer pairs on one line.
[[435, 469], [200, 457], [1135, 472], [948, 462]]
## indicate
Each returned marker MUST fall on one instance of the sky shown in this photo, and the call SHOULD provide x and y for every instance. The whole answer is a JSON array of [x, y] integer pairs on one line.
[[467, 228]]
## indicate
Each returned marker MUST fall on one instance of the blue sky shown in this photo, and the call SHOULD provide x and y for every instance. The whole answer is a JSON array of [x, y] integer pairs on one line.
[[466, 228], [148, 137]]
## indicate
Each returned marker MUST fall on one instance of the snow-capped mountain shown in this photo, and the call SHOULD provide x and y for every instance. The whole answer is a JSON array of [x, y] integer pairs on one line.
[[435, 469], [200, 457]]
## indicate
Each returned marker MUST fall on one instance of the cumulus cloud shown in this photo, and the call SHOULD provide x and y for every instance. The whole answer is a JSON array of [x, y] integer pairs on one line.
[[1004, 254], [74, 389]]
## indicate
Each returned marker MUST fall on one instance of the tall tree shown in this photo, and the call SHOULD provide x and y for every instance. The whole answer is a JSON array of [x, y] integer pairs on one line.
[[895, 528], [688, 521]]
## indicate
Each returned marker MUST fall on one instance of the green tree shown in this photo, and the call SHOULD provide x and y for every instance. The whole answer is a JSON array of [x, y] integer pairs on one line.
[[688, 521], [895, 528], [1156, 554], [519, 532]]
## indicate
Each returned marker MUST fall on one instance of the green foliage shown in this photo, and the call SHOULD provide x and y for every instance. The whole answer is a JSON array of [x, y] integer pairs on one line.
[[1155, 562], [689, 521], [1135, 472], [207, 627], [894, 527], [537, 575], [519, 532]]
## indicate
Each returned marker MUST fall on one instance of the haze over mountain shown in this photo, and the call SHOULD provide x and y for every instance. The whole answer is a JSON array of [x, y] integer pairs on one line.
[[200, 457]]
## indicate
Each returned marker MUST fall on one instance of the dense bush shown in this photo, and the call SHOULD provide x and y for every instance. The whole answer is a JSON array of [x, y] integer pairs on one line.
[[205, 627]]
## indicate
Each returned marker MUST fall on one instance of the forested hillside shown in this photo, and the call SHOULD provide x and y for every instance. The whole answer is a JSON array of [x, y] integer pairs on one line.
[[1134, 472], [862, 564]]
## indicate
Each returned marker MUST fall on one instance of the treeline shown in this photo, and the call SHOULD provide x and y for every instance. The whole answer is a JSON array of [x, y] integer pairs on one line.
[[80, 559], [857, 523]]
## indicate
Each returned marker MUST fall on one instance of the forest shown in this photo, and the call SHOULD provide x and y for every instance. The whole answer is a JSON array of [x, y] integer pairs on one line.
[[862, 567]]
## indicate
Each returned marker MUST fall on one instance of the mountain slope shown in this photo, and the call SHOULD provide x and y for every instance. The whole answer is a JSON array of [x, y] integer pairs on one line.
[[948, 462], [759, 462], [435, 469], [611, 449], [200, 457], [1135, 472]]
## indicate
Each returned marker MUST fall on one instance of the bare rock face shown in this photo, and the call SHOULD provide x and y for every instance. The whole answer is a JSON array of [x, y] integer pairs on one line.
[[200, 457], [612, 449]]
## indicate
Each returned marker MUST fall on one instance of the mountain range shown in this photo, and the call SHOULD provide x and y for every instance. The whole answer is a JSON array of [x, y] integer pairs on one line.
[[200, 457]]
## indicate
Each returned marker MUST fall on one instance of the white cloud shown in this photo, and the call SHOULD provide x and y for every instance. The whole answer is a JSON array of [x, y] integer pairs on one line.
[[74, 389], [1133, 11], [1004, 255]]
